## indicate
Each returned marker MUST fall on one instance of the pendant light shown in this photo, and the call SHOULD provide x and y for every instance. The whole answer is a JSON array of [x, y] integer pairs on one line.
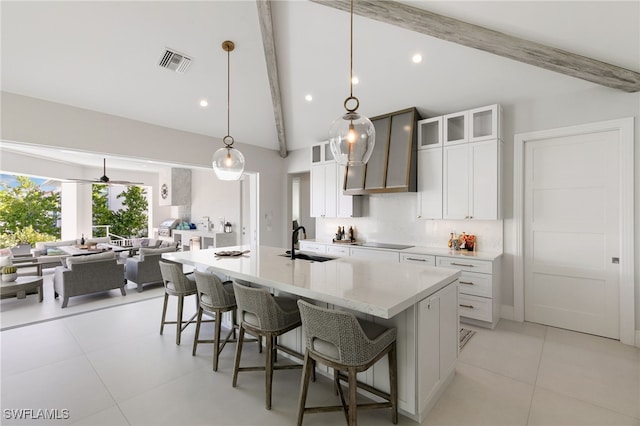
[[352, 136], [228, 162]]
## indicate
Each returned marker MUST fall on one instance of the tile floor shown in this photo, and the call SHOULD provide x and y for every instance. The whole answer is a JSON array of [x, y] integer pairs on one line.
[[111, 367]]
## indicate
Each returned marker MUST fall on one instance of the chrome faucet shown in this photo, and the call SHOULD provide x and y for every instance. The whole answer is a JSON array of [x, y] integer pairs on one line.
[[293, 239]]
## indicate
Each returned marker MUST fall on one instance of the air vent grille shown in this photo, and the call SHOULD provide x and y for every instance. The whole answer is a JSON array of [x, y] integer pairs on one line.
[[175, 61]]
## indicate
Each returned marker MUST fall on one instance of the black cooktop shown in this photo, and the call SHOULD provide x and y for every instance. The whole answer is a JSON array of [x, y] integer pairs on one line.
[[386, 246]]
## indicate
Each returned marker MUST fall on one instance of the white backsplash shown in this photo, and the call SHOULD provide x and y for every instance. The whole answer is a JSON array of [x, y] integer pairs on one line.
[[392, 218]]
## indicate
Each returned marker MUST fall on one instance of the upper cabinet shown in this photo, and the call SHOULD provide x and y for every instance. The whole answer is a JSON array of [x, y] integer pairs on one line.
[[474, 125], [327, 197], [392, 166], [460, 161]]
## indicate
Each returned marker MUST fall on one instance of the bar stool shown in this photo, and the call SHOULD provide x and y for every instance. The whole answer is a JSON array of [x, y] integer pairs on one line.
[[344, 342], [214, 297], [263, 315], [176, 283]]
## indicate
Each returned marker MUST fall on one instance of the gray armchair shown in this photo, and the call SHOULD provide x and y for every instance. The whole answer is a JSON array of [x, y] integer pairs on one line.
[[88, 274], [144, 268]]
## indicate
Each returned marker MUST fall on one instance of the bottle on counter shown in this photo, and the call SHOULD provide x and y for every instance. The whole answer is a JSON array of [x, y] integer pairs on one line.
[[350, 235], [82, 240], [451, 238], [462, 241]]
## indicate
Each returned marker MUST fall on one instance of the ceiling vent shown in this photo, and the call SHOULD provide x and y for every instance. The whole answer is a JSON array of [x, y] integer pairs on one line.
[[175, 61]]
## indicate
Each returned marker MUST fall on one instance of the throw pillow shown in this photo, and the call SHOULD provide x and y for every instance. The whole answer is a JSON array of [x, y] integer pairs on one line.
[[151, 251], [72, 260]]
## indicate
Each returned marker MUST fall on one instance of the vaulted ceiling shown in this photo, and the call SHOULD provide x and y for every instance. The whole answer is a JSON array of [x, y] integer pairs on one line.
[[104, 56]]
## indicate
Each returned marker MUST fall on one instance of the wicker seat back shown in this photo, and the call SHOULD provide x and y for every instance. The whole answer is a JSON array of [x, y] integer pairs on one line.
[[341, 337]]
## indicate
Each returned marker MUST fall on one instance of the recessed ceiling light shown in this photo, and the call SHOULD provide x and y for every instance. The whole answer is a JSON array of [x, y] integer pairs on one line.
[[308, 98], [417, 58], [355, 79], [204, 103]]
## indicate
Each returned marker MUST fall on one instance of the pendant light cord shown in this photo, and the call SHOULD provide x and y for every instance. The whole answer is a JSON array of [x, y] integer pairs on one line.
[[351, 53], [228, 46]]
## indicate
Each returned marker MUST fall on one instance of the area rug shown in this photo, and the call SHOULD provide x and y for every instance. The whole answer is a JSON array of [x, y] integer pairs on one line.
[[465, 336]]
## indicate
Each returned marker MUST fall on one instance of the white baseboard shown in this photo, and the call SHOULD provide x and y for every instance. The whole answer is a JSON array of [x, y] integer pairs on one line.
[[508, 312]]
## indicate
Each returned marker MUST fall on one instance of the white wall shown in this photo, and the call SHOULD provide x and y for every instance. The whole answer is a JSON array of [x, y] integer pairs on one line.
[[215, 198], [38, 122]]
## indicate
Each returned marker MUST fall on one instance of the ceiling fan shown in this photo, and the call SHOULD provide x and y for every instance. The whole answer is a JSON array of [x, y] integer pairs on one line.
[[104, 179]]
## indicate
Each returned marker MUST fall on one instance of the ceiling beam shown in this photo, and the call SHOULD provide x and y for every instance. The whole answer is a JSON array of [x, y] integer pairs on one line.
[[491, 41], [269, 44]]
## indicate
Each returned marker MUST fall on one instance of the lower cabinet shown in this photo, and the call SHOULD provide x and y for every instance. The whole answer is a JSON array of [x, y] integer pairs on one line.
[[479, 289], [313, 247], [365, 253], [437, 343]]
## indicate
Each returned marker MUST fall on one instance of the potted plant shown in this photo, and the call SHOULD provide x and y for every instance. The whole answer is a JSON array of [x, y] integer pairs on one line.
[[9, 273]]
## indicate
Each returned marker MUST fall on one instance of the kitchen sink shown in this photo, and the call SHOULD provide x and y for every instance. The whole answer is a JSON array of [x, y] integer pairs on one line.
[[309, 257]]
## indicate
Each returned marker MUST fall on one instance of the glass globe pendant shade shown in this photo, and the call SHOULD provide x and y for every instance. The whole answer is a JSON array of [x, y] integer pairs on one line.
[[352, 138], [228, 163]]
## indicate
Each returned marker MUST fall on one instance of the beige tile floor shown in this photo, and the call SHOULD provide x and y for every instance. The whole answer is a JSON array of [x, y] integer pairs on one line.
[[111, 367]]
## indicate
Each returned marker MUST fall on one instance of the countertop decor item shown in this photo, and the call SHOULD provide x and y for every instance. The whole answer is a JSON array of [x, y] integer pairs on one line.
[[232, 253], [352, 136], [228, 162]]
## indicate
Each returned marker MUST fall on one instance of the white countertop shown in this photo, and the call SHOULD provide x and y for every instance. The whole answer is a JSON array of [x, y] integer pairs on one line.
[[433, 251], [382, 289]]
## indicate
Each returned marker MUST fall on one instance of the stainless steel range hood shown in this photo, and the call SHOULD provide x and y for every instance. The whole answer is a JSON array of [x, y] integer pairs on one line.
[[393, 163]]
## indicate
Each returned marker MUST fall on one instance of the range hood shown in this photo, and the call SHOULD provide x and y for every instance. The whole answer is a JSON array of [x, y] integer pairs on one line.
[[393, 163]]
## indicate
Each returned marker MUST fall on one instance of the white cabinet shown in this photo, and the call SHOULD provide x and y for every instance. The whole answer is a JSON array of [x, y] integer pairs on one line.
[[437, 341], [324, 194], [479, 299], [430, 183], [430, 133], [485, 123], [474, 125], [327, 197], [313, 247], [373, 254], [421, 259], [337, 250], [472, 180], [459, 165]]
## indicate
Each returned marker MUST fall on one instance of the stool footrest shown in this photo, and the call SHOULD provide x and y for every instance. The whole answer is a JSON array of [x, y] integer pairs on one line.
[[367, 387]]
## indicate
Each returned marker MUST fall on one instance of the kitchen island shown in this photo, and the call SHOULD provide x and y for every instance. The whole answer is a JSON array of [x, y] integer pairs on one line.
[[420, 301]]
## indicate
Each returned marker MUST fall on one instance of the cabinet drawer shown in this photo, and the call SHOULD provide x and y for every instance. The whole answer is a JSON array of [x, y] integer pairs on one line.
[[392, 256], [475, 284], [422, 259], [470, 265], [313, 247], [479, 308], [338, 250]]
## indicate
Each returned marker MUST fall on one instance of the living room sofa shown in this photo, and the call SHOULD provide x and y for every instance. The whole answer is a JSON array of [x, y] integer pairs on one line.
[[144, 268], [88, 274]]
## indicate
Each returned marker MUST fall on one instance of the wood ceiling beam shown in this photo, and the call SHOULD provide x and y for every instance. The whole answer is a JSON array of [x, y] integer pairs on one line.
[[491, 41], [269, 44]]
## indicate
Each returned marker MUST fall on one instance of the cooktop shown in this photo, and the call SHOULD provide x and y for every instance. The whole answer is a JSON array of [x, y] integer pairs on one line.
[[386, 246]]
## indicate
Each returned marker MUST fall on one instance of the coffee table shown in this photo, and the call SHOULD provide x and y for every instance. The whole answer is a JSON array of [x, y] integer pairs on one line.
[[20, 287]]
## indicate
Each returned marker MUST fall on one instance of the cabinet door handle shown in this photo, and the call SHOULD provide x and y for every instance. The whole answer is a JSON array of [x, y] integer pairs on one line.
[[467, 306], [413, 258], [462, 264], [467, 282]]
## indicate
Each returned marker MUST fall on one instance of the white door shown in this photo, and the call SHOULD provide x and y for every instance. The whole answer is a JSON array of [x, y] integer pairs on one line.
[[250, 235], [571, 232]]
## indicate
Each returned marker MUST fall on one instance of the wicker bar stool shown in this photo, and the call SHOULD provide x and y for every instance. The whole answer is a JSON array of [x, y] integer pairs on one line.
[[346, 343], [215, 297], [176, 283], [263, 315]]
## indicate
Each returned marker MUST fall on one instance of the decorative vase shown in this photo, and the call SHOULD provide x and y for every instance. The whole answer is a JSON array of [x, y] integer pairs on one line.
[[9, 277]]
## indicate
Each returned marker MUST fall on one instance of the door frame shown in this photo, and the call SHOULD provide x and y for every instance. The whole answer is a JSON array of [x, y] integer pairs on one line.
[[625, 128]]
